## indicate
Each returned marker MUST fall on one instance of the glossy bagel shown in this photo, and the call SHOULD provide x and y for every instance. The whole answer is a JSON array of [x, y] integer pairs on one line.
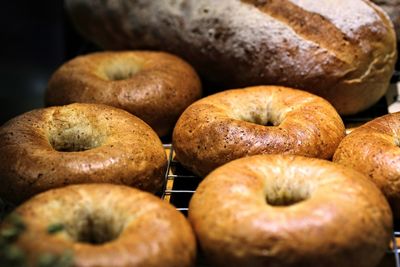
[[153, 86], [100, 225], [373, 149], [255, 120], [78, 143], [287, 211]]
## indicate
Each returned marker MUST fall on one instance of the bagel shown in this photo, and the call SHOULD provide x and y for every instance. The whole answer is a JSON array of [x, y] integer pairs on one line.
[[373, 149], [100, 225], [255, 120], [78, 143], [285, 210], [153, 86]]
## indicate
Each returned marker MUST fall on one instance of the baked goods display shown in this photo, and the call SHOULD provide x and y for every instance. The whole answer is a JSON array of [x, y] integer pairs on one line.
[[153, 86], [255, 120], [102, 225], [373, 149], [284, 210], [342, 50], [78, 143], [266, 199]]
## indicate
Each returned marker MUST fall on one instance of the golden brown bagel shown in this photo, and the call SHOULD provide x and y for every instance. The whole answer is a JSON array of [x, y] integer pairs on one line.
[[290, 211], [231, 125], [102, 225], [154, 86], [78, 143], [373, 149]]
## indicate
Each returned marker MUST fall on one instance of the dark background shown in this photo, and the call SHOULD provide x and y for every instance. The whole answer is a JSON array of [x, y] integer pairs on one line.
[[36, 37]]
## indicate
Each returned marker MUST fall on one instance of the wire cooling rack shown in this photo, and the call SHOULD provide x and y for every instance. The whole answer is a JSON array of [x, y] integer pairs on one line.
[[180, 185]]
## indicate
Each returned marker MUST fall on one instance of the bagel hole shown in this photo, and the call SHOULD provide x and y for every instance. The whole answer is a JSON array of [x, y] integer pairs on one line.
[[74, 140], [121, 71], [263, 122], [269, 123], [74, 133], [260, 120], [119, 75], [95, 231], [285, 201], [397, 142], [286, 196]]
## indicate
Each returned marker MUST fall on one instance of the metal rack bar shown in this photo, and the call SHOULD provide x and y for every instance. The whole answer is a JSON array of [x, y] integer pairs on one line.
[[181, 176], [167, 147], [395, 250], [179, 191]]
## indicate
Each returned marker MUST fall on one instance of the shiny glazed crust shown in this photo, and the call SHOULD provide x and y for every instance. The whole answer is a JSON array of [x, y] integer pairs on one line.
[[153, 86], [147, 231], [230, 125], [242, 216], [342, 50], [107, 145], [373, 149]]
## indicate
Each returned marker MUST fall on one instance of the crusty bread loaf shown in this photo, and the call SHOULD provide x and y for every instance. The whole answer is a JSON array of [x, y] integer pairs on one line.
[[343, 50], [392, 8]]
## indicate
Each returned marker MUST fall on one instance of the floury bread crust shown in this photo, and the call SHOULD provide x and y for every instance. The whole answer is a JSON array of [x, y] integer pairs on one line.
[[342, 50], [255, 120], [392, 8], [78, 143]]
